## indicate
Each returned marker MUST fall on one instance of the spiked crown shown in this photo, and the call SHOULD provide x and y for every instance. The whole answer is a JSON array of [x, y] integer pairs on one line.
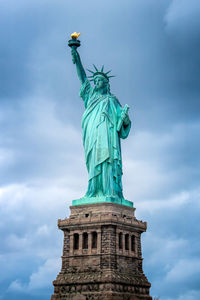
[[99, 72]]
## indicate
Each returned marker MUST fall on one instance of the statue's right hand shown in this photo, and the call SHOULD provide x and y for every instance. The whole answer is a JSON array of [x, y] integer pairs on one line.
[[74, 56]]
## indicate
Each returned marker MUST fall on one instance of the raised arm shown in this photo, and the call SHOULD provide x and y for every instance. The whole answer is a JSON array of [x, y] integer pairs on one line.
[[79, 67]]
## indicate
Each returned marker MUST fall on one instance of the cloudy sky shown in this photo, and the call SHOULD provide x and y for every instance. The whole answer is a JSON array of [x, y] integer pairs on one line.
[[153, 48]]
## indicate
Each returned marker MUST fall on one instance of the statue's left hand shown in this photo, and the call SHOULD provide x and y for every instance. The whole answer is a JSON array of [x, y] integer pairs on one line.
[[125, 118]]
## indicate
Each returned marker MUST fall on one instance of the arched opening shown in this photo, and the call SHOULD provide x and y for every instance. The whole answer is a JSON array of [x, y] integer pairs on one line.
[[133, 243], [85, 240], [127, 241], [76, 241], [120, 240], [94, 240]]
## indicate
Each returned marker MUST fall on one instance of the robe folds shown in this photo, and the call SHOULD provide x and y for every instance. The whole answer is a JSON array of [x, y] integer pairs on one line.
[[101, 142]]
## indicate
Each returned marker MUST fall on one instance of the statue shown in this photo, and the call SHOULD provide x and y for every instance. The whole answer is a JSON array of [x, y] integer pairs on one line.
[[104, 124]]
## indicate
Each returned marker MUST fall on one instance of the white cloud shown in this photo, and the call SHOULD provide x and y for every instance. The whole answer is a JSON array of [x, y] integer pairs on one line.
[[40, 279], [30, 238], [17, 243], [172, 203], [41, 145], [16, 286], [164, 251], [156, 164], [190, 295], [43, 231], [184, 270], [45, 273]]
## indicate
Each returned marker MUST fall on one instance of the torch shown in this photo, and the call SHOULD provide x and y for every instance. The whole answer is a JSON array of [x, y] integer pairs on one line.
[[74, 43]]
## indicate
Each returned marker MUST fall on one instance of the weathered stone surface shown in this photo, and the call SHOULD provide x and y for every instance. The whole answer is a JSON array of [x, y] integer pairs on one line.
[[107, 268]]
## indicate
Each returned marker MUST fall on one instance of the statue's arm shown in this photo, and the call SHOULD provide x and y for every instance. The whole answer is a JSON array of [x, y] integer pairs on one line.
[[79, 67]]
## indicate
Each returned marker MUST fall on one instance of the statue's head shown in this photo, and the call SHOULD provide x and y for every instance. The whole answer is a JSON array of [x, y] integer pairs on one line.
[[101, 83], [101, 79]]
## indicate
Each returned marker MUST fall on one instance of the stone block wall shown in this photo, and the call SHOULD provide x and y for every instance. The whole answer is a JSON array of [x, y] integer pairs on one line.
[[102, 256]]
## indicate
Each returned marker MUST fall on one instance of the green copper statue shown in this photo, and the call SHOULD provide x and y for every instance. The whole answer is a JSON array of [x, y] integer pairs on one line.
[[104, 123]]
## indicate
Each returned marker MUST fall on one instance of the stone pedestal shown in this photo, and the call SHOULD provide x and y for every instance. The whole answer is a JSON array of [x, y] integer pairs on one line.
[[102, 256]]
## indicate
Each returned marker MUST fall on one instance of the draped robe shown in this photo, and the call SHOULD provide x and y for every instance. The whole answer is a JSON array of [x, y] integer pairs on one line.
[[101, 142]]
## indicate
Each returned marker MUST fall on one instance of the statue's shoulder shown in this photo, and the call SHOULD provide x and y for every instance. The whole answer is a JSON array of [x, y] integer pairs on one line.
[[114, 99], [86, 89]]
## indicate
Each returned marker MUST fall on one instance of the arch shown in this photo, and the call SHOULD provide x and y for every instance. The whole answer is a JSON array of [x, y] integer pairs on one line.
[[76, 241], [120, 236], [133, 243], [127, 241], [94, 240], [85, 240]]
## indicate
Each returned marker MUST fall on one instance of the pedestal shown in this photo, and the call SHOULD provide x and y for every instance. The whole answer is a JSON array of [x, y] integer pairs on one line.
[[102, 256]]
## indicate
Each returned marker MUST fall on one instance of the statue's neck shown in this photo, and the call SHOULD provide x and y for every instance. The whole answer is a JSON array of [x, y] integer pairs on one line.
[[101, 91]]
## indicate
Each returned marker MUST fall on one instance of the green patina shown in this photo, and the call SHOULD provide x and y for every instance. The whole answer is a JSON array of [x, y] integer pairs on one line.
[[104, 124], [93, 200]]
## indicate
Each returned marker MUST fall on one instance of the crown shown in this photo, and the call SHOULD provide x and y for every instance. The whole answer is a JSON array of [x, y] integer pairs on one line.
[[99, 72]]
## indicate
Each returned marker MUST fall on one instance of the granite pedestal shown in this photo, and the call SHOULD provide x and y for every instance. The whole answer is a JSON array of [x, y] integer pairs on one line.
[[102, 257]]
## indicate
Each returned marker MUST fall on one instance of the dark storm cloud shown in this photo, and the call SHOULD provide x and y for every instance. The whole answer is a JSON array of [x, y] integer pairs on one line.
[[153, 48], [165, 66], [18, 34]]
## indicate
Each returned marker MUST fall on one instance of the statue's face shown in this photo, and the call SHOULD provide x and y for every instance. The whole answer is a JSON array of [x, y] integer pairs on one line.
[[99, 82]]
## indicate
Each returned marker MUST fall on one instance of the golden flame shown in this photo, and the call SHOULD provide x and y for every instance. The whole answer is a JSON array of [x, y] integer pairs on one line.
[[75, 35]]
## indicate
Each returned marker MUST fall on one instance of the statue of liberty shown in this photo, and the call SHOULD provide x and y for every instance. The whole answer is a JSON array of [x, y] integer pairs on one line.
[[104, 124]]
